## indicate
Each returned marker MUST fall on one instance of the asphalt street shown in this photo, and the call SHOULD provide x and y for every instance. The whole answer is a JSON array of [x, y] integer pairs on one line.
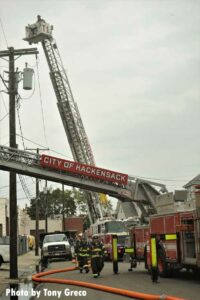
[[185, 286]]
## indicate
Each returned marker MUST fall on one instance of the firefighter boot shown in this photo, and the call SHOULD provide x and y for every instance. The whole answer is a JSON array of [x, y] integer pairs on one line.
[[154, 275]]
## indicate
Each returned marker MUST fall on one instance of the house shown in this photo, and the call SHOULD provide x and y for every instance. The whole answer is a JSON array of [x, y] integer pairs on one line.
[[4, 217]]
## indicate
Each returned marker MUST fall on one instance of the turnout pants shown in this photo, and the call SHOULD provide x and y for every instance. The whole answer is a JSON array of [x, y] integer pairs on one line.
[[82, 262], [97, 264]]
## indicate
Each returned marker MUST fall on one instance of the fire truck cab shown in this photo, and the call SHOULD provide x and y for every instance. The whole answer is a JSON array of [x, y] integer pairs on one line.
[[105, 229]]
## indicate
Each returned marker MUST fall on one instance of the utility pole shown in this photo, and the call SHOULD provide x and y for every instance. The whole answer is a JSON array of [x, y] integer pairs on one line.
[[12, 91], [46, 208], [63, 208], [37, 216], [37, 206], [12, 175]]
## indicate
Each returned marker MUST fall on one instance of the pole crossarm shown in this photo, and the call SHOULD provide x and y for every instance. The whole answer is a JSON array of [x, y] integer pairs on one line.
[[27, 51]]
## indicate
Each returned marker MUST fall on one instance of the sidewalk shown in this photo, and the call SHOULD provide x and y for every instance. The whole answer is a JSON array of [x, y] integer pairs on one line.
[[26, 267]]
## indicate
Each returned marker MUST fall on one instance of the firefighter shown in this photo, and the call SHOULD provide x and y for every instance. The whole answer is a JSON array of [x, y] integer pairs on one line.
[[97, 252], [82, 253], [154, 268]]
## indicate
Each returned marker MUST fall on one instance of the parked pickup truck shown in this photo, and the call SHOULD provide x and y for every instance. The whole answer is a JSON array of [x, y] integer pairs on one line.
[[55, 245], [4, 254]]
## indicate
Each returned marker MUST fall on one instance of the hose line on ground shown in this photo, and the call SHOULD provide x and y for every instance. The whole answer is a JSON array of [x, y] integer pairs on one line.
[[104, 288]]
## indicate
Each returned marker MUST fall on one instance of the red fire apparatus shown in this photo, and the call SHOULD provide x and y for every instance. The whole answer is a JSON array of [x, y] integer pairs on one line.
[[177, 237], [105, 229]]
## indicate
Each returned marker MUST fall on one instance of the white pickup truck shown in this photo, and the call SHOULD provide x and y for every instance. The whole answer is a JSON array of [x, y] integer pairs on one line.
[[55, 246], [4, 254]]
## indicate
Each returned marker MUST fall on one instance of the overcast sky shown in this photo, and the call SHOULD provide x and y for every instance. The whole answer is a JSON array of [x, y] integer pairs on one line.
[[134, 69]]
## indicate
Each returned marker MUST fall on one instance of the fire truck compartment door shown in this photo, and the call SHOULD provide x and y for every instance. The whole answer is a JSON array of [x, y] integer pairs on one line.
[[188, 248]]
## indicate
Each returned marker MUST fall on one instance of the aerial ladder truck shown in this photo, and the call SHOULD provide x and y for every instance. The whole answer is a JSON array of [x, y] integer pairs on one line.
[[68, 109], [143, 192]]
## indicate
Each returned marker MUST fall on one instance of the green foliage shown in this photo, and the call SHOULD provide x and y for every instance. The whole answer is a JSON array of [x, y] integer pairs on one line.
[[54, 202]]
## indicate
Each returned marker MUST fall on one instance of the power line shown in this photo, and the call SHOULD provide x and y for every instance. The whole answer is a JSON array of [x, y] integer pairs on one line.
[[160, 179], [41, 103], [4, 117], [30, 140], [3, 82], [20, 127], [21, 177], [3, 101], [3, 187], [52, 150], [4, 32], [24, 186], [7, 186]]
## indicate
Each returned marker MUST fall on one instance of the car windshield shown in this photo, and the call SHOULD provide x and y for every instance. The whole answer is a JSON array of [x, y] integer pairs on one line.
[[114, 226], [121, 239], [55, 238]]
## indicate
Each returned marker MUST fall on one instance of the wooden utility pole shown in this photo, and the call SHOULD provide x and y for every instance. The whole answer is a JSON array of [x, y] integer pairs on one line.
[[37, 216], [46, 208], [12, 91], [37, 206], [63, 208], [12, 175]]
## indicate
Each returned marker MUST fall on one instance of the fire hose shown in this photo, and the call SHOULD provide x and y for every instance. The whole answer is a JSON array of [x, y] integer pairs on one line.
[[39, 277]]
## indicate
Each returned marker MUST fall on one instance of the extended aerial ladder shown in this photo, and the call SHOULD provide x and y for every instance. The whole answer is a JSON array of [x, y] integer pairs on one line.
[[73, 125], [29, 164], [144, 193]]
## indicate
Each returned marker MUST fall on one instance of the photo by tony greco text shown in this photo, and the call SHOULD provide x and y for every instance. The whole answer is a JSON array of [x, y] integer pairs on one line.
[[45, 292]]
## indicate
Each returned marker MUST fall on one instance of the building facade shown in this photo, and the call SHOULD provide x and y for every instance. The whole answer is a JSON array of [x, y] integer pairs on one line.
[[4, 217]]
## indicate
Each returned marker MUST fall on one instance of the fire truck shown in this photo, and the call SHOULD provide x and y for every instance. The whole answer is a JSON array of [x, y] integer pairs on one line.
[[176, 237], [105, 229], [98, 208]]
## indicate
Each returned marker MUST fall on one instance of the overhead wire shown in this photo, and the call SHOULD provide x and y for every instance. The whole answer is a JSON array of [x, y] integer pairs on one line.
[[3, 82], [1, 94], [52, 150], [4, 117], [20, 127], [3, 102], [41, 102], [160, 179], [21, 177], [7, 186], [4, 32]]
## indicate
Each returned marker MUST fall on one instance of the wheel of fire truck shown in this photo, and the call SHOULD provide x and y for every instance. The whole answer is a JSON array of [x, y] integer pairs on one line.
[[196, 272]]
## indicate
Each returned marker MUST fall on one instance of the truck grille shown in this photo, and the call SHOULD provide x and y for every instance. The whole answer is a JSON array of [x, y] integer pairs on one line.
[[55, 248]]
